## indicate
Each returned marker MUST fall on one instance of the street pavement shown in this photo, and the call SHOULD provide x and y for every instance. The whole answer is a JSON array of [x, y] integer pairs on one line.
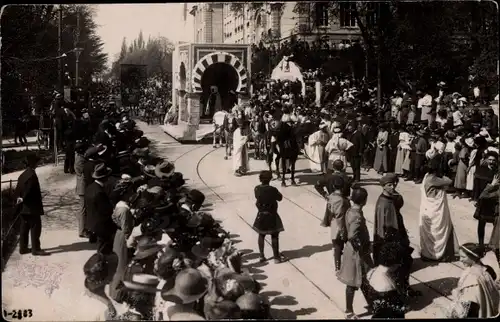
[[305, 287]]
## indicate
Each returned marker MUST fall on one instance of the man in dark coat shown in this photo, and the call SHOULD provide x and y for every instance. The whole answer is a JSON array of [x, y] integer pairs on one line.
[[356, 151], [91, 160], [70, 141], [100, 210], [389, 227], [29, 200]]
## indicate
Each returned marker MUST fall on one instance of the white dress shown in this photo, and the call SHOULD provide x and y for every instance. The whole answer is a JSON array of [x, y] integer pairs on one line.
[[436, 227], [316, 149], [336, 149], [472, 171], [240, 152]]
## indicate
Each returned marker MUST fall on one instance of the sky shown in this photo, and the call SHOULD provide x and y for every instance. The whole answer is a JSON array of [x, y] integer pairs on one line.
[[116, 21]]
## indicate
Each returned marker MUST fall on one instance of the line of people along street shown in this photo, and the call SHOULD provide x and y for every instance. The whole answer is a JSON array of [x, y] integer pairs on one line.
[[159, 256]]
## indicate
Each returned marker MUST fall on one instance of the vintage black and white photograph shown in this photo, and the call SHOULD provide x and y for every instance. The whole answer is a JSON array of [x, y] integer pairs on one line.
[[250, 160]]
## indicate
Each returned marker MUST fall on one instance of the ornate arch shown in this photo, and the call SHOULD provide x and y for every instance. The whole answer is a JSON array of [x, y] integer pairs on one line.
[[220, 57]]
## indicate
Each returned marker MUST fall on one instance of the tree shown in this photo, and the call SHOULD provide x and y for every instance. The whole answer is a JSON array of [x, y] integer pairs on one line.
[[156, 54], [123, 51], [30, 47], [140, 41], [411, 42]]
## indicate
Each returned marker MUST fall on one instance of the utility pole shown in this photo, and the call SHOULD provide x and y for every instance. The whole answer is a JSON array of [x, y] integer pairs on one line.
[[59, 51], [78, 50], [379, 57]]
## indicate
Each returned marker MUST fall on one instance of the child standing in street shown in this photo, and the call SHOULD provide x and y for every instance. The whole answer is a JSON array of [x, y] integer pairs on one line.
[[268, 222]]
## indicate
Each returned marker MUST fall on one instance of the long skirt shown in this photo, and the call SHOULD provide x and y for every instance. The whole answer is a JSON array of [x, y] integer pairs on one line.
[[401, 155], [461, 176], [116, 287], [470, 178], [380, 163], [268, 223], [407, 161]]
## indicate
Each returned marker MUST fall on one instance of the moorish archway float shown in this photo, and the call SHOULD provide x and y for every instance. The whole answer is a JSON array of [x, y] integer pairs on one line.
[[220, 57]]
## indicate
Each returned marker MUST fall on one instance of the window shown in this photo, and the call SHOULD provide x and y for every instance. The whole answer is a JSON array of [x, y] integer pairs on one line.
[[347, 17], [372, 14], [321, 13]]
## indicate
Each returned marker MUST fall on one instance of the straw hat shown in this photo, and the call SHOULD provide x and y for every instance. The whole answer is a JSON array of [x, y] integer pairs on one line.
[[469, 142], [143, 282]]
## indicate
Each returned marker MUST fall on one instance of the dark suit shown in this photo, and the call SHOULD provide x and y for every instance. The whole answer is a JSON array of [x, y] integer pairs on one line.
[[99, 212], [70, 141], [88, 169], [326, 182], [356, 153], [31, 209]]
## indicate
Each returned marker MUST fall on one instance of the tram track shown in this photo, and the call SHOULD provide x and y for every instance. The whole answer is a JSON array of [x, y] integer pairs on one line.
[[250, 226], [308, 212]]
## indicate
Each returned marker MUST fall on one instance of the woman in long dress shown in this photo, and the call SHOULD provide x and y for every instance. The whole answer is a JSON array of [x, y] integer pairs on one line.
[[241, 162], [438, 240], [124, 219], [380, 164], [403, 152], [460, 183], [337, 147]]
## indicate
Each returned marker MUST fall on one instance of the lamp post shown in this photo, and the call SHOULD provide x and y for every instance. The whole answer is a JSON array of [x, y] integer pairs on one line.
[[78, 51], [59, 52]]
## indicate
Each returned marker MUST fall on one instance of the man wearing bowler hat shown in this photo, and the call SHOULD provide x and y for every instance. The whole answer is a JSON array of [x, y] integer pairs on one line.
[[100, 209], [30, 206]]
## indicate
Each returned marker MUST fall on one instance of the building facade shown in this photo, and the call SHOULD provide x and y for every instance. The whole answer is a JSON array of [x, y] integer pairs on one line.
[[271, 22]]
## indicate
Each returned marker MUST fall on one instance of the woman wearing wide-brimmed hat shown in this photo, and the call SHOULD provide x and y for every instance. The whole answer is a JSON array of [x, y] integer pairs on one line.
[[381, 163], [141, 289]]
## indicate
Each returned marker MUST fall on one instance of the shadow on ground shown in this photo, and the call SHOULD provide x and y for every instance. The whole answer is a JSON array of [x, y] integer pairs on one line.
[[441, 287], [75, 247], [307, 251], [308, 179], [60, 210]]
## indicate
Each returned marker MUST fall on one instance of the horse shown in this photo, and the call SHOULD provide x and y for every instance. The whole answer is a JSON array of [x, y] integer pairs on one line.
[[286, 149]]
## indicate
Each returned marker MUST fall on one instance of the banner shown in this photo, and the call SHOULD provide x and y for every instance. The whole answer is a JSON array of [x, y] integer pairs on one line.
[[132, 77]]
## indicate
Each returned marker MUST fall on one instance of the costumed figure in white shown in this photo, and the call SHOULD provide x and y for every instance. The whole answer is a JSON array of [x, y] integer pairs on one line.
[[316, 149], [241, 162]]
